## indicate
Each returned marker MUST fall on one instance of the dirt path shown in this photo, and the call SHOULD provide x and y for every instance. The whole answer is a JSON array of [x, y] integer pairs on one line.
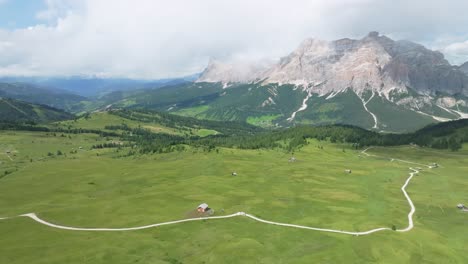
[[34, 217], [9, 156]]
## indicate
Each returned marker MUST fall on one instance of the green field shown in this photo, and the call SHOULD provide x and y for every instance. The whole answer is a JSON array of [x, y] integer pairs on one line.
[[100, 120], [107, 188]]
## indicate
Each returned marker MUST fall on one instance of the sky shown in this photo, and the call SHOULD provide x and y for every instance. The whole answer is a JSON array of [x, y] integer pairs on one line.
[[151, 39]]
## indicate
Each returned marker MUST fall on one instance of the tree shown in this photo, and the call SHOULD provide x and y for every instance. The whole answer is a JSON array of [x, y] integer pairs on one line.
[[454, 144]]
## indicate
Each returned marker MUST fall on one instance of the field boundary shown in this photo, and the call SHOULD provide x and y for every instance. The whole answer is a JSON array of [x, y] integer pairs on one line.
[[410, 226]]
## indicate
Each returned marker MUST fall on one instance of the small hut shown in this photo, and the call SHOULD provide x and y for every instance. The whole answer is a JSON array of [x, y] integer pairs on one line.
[[203, 208], [234, 173], [292, 159], [461, 206], [348, 171]]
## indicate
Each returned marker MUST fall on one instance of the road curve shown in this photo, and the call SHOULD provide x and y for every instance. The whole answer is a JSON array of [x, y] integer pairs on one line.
[[34, 217]]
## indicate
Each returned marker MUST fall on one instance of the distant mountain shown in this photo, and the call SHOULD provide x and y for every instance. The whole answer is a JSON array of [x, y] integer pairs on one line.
[[464, 67], [18, 111], [388, 85], [41, 95], [374, 63], [93, 86]]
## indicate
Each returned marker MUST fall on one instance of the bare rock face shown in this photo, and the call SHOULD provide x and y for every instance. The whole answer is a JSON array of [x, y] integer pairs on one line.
[[335, 66], [464, 68], [375, 63]]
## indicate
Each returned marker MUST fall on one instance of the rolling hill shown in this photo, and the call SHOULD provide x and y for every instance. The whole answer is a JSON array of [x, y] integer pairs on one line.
[[56, 98], [18, 111]]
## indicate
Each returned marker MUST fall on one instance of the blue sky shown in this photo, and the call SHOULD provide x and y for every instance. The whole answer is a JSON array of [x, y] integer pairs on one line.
[[168, 38], [20, 13]]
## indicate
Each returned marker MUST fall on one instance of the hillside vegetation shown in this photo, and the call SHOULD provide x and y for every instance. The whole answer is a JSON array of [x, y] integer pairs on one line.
[[56, 98], [274, 105], [18, 111], [162, 132]]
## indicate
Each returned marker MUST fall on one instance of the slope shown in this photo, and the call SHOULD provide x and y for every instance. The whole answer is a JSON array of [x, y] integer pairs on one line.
[[39, 95], [18, 111]]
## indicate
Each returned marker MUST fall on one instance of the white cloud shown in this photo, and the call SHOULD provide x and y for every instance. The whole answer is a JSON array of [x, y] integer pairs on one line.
[[155, 38], [457, 52]]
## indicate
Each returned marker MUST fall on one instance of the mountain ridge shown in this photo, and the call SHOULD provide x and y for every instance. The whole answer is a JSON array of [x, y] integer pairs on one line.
[[374, 62], [464, 67], [12, 110], [35, 94]]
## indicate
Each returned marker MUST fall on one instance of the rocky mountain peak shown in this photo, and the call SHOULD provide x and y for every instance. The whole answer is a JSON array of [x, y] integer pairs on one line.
[[375, 63], [373, 34]]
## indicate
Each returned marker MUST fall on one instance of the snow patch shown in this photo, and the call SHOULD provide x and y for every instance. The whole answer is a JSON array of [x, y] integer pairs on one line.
[[268, 101], [437, 118], [461, 115], [302, 108], [273, 91], [364, 103]]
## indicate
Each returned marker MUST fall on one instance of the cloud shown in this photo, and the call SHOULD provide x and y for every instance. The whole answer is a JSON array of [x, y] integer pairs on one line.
[[458, 52], [155, 38]]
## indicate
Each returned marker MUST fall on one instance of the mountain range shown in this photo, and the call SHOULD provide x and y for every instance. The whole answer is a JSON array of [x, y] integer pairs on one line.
[[375, 82], [91, 87], [385, 78]]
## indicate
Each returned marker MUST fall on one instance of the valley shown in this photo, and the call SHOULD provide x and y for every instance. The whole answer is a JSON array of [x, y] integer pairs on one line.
[[208, 132], [72, 183]]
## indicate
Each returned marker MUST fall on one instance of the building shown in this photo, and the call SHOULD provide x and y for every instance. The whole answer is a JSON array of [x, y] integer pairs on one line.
[[203, 208]]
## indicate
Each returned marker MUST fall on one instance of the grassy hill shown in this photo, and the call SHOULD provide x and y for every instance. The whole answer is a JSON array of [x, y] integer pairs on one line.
[[154, 122], [273, 105], [56, 98], [126, 168], [88, 187], [17, 111]]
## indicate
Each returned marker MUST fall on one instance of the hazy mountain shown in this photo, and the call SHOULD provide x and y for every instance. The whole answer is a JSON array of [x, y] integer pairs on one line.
[[19, 111], [387, 85], [464, 67], [94, 86], [56, 98], [374, 63], [217, 71], [374, 82]]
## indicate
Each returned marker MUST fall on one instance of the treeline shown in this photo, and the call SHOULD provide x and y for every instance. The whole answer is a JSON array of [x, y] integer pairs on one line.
[[292, 138], [448, 135], [181, 122], [31, 126]]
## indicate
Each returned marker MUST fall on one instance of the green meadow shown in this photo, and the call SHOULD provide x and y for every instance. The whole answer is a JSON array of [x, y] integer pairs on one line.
[[83, 187]]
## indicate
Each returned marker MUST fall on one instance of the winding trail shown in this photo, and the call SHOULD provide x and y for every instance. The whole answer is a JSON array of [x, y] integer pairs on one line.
[[410, 226]]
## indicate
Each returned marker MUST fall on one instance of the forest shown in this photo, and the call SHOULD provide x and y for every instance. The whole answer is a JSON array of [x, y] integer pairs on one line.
[[448, 135]]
